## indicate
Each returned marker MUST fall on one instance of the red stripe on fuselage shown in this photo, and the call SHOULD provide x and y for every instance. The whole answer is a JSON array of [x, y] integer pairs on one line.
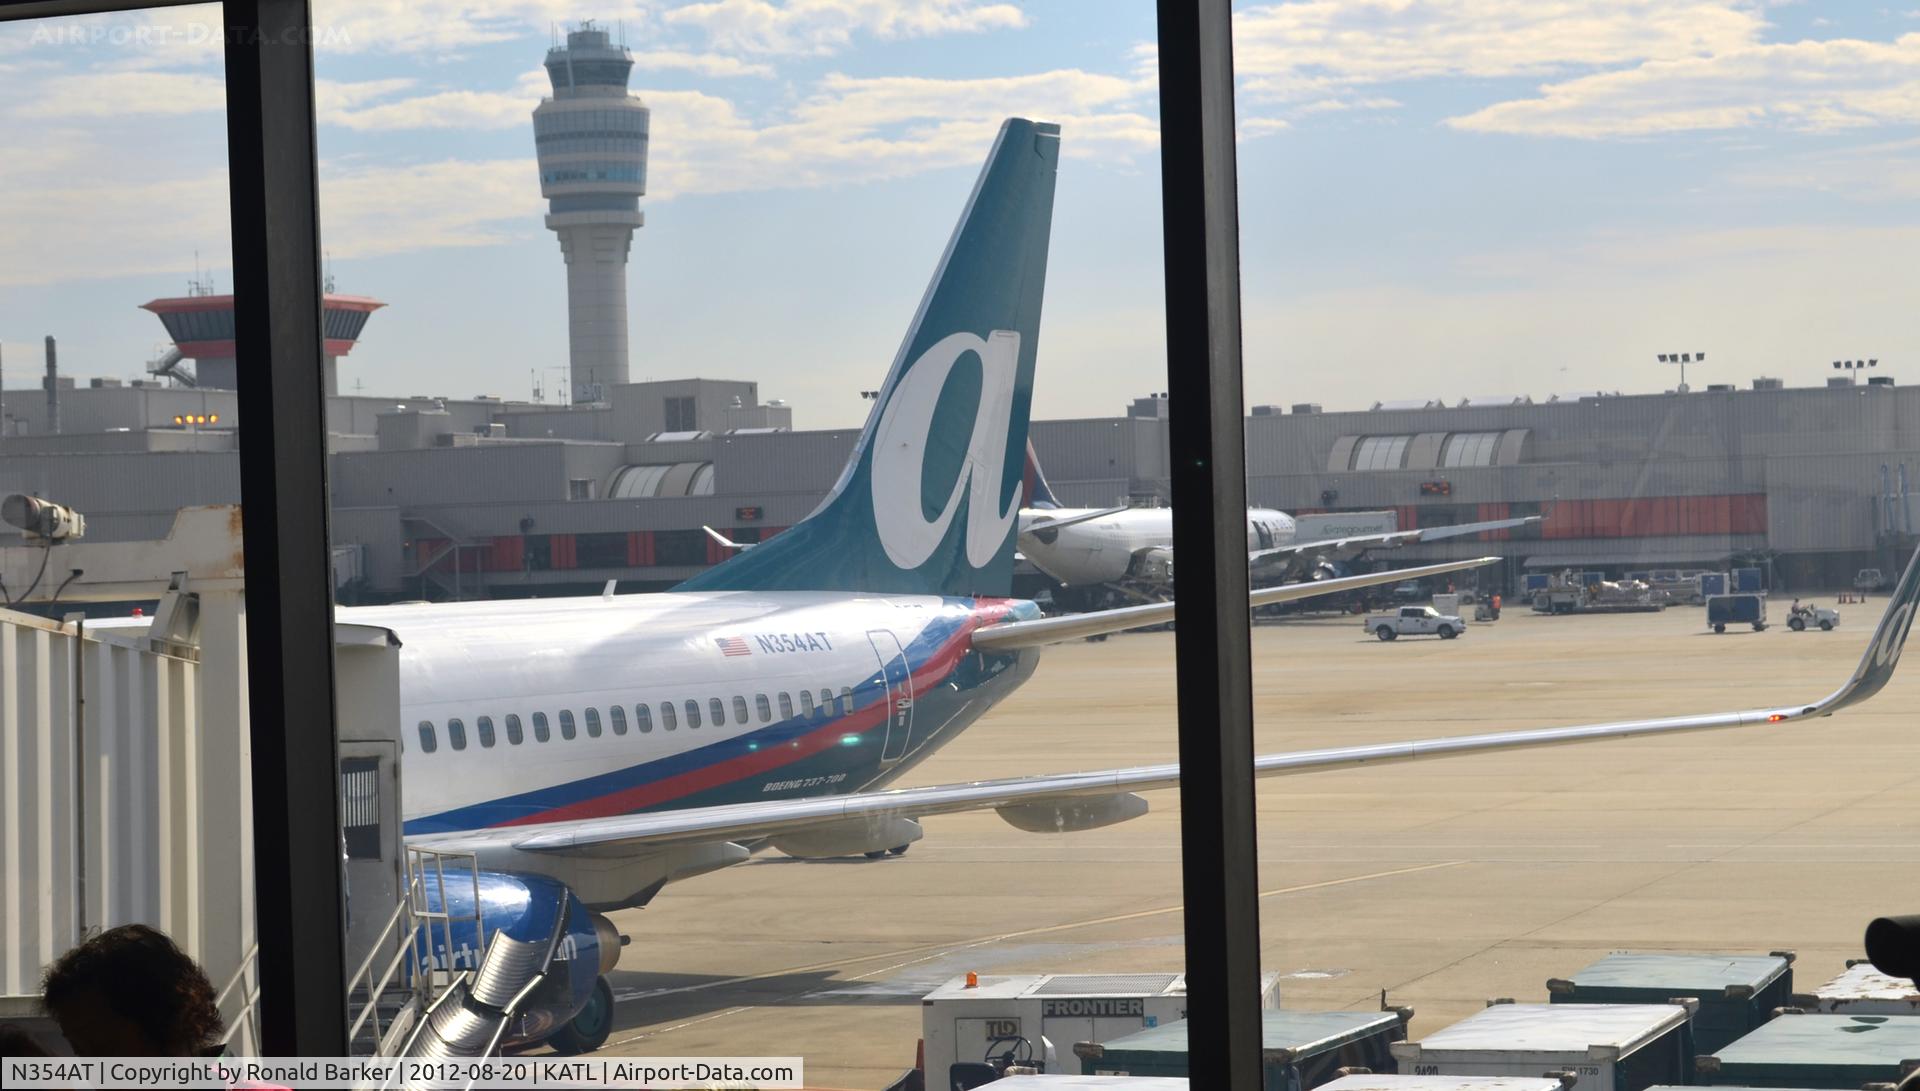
[[681, 785]]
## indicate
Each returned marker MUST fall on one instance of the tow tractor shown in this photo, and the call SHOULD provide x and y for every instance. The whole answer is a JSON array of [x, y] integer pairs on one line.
[[1799, 617]]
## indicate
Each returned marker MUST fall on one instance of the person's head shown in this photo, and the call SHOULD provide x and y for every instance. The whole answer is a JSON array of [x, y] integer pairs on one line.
[[131, 992]]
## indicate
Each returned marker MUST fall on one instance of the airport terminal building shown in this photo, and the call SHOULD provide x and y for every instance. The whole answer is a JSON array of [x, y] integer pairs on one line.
[[444, 498]]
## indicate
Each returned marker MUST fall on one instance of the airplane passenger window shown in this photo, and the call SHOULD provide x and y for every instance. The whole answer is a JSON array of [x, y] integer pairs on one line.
[[826, 702], [619, 717], [786, 706], [567, 730], [668, 717], [846, 701], [457, 734], [541, 733], [643, 717], [693, 713], [514, 734], [718, 711], [427, 742], [740, 709], [593, 723], [806, 702], [485, 726], [764, 707]]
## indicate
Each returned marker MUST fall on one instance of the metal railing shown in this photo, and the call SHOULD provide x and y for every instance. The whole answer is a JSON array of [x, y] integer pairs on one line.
[[245, 1023], [414, 919]]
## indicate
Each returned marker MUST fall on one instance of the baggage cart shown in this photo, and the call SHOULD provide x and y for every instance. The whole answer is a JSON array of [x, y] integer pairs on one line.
[[1299, 1049], [1725, 610], [1605, 1047], [1736, 992], [1863, 990], [1818, 1051]]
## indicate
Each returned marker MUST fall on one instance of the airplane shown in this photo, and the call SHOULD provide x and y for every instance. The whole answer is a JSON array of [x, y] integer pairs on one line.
[[1105, 555], [588, 752]]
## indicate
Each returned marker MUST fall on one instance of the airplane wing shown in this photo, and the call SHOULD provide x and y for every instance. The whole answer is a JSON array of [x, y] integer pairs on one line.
[[1042, 521], [1075, 801], [1389, 538]]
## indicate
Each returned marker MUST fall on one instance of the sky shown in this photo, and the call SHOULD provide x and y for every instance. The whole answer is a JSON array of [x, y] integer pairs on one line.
[[1437, 199]]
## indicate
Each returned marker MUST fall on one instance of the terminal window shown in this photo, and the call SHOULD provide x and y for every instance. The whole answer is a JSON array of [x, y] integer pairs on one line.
[[680, 415]]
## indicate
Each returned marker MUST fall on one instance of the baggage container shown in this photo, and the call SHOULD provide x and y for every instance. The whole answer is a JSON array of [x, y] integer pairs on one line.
[[1748, 581], [1605, 1047], [1299, 1049], [1725, 610], [1736, 992], [1537, 581], [1713, 583], [1863, 990], [1443, 1083], [1037, 1018], [1818, 1051]]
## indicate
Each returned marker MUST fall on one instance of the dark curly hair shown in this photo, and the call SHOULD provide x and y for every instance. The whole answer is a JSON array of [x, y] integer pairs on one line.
[[145, 978]]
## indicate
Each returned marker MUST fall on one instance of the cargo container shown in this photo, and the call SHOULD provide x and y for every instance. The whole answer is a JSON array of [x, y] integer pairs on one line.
[[1863, 990], [1713, 583], [1537, 581], [1606, 1047], [1748, 581], [1298, 1049], [1725, 610], [1736, 992], [1390, 1082], [1818, 1051], [980, 1021]]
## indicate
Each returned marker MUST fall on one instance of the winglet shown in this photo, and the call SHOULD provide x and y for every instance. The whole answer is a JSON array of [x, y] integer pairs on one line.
[[1883, 651], [725, 542]]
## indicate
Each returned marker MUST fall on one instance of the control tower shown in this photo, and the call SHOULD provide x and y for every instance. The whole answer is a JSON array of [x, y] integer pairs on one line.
[[591, 141]]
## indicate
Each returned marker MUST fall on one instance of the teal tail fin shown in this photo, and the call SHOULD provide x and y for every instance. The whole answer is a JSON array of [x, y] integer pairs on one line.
[[930, 499]]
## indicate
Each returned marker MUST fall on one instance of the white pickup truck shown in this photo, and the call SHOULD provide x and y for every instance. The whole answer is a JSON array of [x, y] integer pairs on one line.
[[1413, 621]]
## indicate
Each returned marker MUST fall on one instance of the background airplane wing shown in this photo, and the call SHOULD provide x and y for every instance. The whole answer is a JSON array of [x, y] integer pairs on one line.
[[1389, 538], [1076, 801]]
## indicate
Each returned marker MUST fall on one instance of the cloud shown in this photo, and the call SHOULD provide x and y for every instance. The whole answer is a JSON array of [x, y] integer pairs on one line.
[[122, 94], [1299, 51], [1801, 86], [819, 27], [705, 64], [368, 210]]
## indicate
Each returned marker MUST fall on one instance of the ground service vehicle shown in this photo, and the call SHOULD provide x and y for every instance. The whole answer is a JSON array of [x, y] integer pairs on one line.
[[1869, 579], [1414, 621], [1800, 617], [1725, 610]]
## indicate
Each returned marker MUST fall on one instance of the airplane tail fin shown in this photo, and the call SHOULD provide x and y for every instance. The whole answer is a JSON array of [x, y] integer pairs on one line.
[[930, 499], [1039, 495]]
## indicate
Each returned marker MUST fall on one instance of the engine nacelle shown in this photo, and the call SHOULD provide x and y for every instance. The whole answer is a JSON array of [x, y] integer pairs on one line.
[[1155, 564], [1075, 814], [849, 838]]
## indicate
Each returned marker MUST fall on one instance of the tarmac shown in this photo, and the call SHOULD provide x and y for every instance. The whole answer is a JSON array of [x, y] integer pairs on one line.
[[1443, 883]]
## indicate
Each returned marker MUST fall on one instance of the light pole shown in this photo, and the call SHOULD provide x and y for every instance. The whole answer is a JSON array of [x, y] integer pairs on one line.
[[1683, 359], [1853, 368]]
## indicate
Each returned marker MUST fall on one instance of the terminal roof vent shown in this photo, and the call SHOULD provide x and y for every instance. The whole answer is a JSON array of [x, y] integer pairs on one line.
[[1105, 984], [1411, 403], [1481, 401], [677, 437], [755, 431], [1581, 395], [1720, 388], [1300, 408], [1880, 380], [1841, 381], [663, 480], [1765, 383], [1265, 411]]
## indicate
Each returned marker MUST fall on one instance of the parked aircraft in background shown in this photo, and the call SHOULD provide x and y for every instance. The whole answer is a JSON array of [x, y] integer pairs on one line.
[[1104, 555]]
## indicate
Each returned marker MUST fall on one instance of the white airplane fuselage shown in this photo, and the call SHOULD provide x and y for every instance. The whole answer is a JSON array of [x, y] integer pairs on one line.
[[555, 709], [1113, 548]]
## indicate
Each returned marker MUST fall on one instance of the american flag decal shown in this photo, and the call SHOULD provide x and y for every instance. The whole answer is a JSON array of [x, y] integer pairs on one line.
[[732, 645]]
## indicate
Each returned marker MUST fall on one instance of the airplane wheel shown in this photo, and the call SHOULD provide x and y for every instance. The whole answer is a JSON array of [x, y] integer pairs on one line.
[[588, 1030], [898, 850], [1385, 633]]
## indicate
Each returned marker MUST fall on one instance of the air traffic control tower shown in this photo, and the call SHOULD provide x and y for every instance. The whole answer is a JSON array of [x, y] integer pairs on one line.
[[591, 140]]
